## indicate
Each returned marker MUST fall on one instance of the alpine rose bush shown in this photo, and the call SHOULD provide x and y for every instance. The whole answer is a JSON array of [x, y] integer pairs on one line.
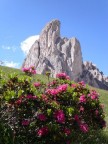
[[56, 113], [29, 70]]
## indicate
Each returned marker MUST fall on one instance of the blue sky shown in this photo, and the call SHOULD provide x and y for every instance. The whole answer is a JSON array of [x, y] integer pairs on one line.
[[22, 20]]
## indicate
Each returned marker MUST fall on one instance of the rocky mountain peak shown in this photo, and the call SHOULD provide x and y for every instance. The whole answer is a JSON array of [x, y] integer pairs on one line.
[[55, 54]]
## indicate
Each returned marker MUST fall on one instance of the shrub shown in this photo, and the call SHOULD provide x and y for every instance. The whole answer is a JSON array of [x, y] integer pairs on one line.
[[57, 112]]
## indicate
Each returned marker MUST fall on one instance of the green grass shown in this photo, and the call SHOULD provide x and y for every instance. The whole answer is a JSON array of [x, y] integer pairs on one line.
[[8, 70], [103, 137]]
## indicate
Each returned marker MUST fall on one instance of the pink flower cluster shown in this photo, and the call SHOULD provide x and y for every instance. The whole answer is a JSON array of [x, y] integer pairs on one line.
[[59, 116], [83, 126], [31, 97], [82, 99], [67, 131], [63, 76], [52, 83], [59, 89], [94, 95], [25, 122], [52, 92], [42, 131], [82, 83], [41, 117], [37, 84], [62, 88], [29, 70]]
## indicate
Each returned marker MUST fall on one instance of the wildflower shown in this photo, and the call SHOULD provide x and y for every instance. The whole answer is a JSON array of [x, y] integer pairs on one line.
[[63, 76], [67, 131], [42, 131], [29, 70], [44, 98], [84, 127], [59, 116], [18, 102], [31, 97], [62, 88], [73, 85], [82, 99], [41, 117], [94, 95], [82, 83], [76, 118], [37, 84], [81, 109], [96, 112], [25, 122], [52, 92]]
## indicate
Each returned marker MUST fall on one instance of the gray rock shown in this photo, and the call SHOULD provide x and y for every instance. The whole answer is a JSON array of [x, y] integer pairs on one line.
[[55, 54], [93, 76]]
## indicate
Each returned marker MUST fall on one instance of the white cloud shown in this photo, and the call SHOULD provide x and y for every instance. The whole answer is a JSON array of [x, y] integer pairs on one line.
[[11, 64], [27, 43], [13, 48]]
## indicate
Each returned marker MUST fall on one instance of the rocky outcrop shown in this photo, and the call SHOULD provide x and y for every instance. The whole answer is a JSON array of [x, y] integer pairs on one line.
[[55, 54], [93, 76]]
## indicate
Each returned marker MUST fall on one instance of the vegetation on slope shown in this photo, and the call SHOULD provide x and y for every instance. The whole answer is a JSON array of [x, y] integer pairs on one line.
[[100, 137]]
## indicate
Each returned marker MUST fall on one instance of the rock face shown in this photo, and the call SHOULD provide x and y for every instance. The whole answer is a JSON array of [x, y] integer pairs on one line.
[[93, 76], [55, 54]]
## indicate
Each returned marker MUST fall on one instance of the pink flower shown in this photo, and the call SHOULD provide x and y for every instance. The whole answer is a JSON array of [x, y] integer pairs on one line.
[[59, 116], [45, 98], [73, 85], [52, 83], [52, 92], [25, 122], [31, 97], [94, 95], [67, 77], [25, 69], [82, 83], [82, 99], [29, 70], [18, 102], [62, 88], [41, 117], [42, 131], [76, 118], [37, 84], [84, 127], [67, 131], [81, 108], [61, 75]]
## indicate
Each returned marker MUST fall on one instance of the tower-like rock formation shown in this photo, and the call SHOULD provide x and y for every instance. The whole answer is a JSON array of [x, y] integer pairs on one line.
[[55, 54]]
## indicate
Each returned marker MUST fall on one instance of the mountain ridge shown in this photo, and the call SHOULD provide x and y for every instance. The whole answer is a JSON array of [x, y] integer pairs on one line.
[[55, 54]]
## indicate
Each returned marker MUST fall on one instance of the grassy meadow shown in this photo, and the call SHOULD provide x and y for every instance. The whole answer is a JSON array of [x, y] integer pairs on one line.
[[102, 138]]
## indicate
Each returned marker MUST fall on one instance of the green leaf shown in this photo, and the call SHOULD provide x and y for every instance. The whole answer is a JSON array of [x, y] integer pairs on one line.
[[70, 111], [49, 112]]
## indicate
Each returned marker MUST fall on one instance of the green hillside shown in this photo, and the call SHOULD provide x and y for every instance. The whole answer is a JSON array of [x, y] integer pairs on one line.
[[103, 93]]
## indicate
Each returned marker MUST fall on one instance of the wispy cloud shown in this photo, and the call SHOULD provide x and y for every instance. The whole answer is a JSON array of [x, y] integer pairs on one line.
[[11, 64], [27, 43], [13, 48]]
